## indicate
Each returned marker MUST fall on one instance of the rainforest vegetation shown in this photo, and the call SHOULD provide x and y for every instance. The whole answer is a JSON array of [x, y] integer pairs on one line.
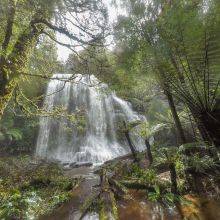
[[160, 56]]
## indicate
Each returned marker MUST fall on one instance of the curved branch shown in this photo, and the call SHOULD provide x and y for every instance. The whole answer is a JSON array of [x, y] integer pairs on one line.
[[69, 46], [64, 31]]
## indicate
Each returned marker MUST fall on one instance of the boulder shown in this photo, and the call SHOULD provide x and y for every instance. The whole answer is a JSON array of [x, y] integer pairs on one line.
[[81, 164]]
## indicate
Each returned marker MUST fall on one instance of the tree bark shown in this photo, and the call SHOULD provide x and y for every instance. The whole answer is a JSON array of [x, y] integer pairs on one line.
[[9, 25], [173, 176], [149, 154], [196, 185], [16, 62], [3, 62], [179, 128], [131, 146], [210, 121]]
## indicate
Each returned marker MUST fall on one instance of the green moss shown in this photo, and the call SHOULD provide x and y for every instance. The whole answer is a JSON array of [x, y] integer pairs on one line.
[[102, 210], [28, 190], [114, 206], [148, 176]]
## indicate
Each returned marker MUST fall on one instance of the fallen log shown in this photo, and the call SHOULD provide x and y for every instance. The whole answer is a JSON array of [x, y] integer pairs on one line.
[[118, 187], [108, 206], [87, 205], [104, 201], [136, 184]]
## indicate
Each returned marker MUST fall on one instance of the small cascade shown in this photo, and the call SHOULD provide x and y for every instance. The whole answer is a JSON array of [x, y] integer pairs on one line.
[[98, 138]]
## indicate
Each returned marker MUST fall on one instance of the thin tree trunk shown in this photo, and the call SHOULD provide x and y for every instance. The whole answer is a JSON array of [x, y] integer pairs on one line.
[[196, 185], [179, 128], [182, 138], [173, 177], [149, 154], [131, 146]]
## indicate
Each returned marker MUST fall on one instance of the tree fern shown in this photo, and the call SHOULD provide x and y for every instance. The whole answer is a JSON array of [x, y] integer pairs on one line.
[[189, 61]]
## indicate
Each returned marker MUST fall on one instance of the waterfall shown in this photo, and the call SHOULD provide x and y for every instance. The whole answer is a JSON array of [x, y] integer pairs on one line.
[[98, 138]]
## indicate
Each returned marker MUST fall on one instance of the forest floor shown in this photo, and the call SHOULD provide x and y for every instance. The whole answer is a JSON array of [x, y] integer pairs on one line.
[[119, 187], [30, 188]]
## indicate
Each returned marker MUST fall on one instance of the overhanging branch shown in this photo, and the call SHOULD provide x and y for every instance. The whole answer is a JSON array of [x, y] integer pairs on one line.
[[64, 31]]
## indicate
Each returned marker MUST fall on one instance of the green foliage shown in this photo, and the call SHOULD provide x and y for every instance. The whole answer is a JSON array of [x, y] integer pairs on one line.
[[196, 155], [148, 130], [200, 164], [157, 196], [169, 199], [194, 146], [154, 196], [17, 132], [11, 134], [166, 155], [147, 176], [178, 40], [28, 36], [28, 191], [8, 132], [11, 207]]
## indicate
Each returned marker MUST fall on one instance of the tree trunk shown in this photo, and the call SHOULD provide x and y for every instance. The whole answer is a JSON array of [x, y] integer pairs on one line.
[[132, 148], [15, 64], [179, 128], [196, 185], [9, 25], [211, 123], [149, 154], [201, 128], [173, 176], [5, 96]]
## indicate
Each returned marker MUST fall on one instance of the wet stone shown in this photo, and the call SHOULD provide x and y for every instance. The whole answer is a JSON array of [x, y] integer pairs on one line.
[[81, 164]]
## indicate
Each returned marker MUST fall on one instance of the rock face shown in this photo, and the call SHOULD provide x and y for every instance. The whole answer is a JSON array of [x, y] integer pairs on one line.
[[93, 135]]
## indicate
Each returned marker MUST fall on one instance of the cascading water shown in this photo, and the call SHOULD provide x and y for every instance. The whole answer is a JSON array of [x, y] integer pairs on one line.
[[99, 140]]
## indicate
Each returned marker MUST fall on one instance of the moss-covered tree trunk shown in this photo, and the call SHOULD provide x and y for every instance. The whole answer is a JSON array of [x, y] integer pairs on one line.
[[108, 207], [13, 65]]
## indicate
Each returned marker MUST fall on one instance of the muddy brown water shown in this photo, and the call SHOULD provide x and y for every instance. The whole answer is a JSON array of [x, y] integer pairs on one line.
[[135, 208]]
